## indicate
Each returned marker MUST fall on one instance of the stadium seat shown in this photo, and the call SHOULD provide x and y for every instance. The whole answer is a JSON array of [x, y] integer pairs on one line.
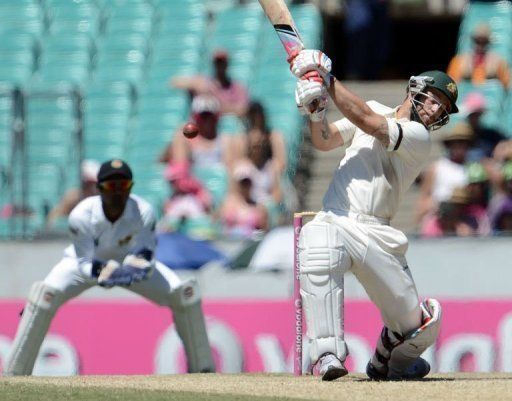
[[22, 16], [45, 184], [498, 15]]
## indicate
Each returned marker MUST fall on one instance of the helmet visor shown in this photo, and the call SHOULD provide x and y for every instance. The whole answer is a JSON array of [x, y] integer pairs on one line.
[[431, 110], [427, 104]]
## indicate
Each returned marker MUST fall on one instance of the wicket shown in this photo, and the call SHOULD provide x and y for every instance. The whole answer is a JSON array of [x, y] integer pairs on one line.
[[297, 299]]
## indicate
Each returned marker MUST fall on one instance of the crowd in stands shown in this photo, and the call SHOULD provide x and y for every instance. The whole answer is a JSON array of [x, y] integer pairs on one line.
[[466, 192], [480, 64], [253, 161]]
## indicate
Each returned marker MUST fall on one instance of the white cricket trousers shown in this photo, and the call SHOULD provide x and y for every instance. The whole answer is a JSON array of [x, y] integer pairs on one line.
[[378, 259]]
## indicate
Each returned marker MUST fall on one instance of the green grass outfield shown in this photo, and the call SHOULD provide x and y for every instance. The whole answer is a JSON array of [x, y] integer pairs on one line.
[[255, 387]]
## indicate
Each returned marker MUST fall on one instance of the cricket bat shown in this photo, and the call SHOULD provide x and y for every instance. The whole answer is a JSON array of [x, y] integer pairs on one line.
[[279, 16]]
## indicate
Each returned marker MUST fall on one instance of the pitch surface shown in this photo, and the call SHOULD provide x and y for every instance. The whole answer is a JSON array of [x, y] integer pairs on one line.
[[256, 387]]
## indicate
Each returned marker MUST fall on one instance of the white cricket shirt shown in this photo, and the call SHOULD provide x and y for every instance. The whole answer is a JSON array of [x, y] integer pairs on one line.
[[372, 179], [95, 237]]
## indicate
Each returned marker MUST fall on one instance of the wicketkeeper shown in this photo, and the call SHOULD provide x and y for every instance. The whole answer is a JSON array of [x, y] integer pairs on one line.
[[387, 149], [113, 245]]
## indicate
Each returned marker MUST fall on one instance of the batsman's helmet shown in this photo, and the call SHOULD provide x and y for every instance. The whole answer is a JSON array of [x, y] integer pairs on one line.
[[435, 80]]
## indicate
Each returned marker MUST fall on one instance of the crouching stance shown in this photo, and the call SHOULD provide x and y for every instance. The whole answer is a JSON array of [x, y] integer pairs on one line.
[[113, 245], [386, 149]]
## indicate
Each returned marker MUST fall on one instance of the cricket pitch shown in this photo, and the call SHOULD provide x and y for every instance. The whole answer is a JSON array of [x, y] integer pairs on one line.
[[256, 387]]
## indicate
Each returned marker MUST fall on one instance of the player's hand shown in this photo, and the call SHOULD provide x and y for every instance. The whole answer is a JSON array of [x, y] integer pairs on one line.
[[141, 268], [123, 276], [133, 270], [311, 60], [311, 98], [106, 272]]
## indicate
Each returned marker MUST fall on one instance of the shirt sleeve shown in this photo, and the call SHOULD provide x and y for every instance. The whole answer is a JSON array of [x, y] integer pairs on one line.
[[346, 129], [410, 140], [83, 241], [145, 238]]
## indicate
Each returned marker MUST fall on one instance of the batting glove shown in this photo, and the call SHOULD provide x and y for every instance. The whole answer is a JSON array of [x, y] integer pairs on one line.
[[311, 99], [312, 60]]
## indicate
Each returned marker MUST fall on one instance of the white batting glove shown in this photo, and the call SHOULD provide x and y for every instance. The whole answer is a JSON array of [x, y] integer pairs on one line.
[[312, 60], [311, 99]]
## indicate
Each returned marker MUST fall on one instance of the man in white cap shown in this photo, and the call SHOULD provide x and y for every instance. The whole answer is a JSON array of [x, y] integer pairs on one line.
[[88, 172]]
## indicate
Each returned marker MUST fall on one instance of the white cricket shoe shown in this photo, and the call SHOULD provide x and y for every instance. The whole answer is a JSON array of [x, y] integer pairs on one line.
[[331, 368]]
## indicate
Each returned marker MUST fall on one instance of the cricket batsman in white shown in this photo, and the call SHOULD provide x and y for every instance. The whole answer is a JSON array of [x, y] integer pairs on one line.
[[387, 149], [113, 244]]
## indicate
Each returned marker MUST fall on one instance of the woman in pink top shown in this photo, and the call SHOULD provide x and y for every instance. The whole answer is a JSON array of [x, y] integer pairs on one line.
[[239, 214], [209, 148]]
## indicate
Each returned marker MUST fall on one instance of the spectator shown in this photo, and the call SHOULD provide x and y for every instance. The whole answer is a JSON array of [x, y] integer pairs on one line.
[[447, 173], [264, 150], [479, 191], [88, 173], [232, 95], [209, 148], [501, 197], [450, 218], [502, 220], [264, 145], [480, 64], [189, 200], [485, 139], [239, 214]]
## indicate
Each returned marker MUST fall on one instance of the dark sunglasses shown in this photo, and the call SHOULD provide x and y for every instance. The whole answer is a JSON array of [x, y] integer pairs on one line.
[[481, 41], [115, 185]]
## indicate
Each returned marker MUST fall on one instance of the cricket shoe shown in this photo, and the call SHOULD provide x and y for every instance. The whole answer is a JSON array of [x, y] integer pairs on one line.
[[417, 370], [330, 367]]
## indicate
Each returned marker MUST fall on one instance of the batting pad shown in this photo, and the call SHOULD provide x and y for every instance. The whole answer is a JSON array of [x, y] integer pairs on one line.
[[191, 327], [323, 262], [40, 308]]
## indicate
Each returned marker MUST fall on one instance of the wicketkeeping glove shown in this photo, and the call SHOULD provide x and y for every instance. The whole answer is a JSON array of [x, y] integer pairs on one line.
[[141, 267], [311, 99], [312, 60], [135, 268]]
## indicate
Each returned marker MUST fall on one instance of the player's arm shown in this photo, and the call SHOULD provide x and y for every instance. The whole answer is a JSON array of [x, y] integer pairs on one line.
[[311, 98], [325, 136], [311, 62], [142, 251], [358, 112], [83, 243]]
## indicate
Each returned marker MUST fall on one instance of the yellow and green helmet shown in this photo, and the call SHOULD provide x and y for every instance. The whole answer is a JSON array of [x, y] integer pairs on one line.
[[441, 81]]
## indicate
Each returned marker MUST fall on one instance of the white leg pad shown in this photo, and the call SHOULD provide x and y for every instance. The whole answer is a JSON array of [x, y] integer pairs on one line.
[[395, 353], [323, 262], [191, 327], [39, 310]]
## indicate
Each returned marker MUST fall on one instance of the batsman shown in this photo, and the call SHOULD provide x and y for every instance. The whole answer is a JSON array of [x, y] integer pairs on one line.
[[386, 150], [113, 244]]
